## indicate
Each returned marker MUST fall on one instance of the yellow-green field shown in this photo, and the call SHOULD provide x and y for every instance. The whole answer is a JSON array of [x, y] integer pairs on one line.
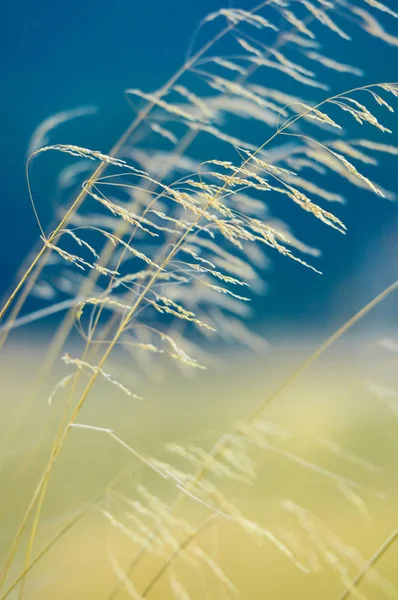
[[326, 481]]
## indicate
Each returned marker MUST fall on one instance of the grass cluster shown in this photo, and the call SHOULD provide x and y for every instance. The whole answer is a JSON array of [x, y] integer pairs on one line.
[[156, 258]]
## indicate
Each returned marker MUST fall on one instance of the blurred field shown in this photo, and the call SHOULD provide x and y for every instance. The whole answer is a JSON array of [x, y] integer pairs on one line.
[[329, 417]]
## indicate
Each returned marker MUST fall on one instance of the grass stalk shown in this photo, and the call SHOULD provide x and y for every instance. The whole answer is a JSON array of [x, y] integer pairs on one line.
[[380, 552], [224, 441], [139, 119]]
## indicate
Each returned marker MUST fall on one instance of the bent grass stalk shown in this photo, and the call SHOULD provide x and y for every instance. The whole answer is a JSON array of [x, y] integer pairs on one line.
[[380, 552], [140, 117], [119, 478], [330, 341], [224, 441], [42, 487], [43, 483], [63, 330], [65, 327], [39, 495], [31, 276], [89, 282], [183, 145], [218, 449]]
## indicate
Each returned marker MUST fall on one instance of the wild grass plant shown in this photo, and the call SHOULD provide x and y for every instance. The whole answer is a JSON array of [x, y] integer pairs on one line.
[[155, 260]]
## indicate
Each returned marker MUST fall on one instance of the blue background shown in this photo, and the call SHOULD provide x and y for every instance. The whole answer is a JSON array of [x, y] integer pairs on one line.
[[56, 56]]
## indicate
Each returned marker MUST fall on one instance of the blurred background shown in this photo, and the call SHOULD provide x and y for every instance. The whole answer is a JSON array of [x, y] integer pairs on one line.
[[56, 58], [340, 416]]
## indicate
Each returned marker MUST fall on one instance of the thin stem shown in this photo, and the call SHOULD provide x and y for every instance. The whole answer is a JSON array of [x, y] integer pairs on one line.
[[39, 495], [140, 117], [78, 516], [370, 564], [204, 525], [43, 485], [75, 205], [224, 442], [221, 446], [323, 347], [64, 329]]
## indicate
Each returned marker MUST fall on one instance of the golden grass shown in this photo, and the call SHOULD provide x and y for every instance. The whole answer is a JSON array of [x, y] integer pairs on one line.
[[145, 298], [81, 563]]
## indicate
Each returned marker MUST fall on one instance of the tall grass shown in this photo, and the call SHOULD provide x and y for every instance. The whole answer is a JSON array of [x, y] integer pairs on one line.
[[161, 250]]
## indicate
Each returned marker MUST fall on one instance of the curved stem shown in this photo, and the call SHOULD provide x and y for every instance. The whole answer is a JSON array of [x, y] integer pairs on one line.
[[224, 441], [43, 483], [39, 494], [140, 117], [64, 329], [52, 239]]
